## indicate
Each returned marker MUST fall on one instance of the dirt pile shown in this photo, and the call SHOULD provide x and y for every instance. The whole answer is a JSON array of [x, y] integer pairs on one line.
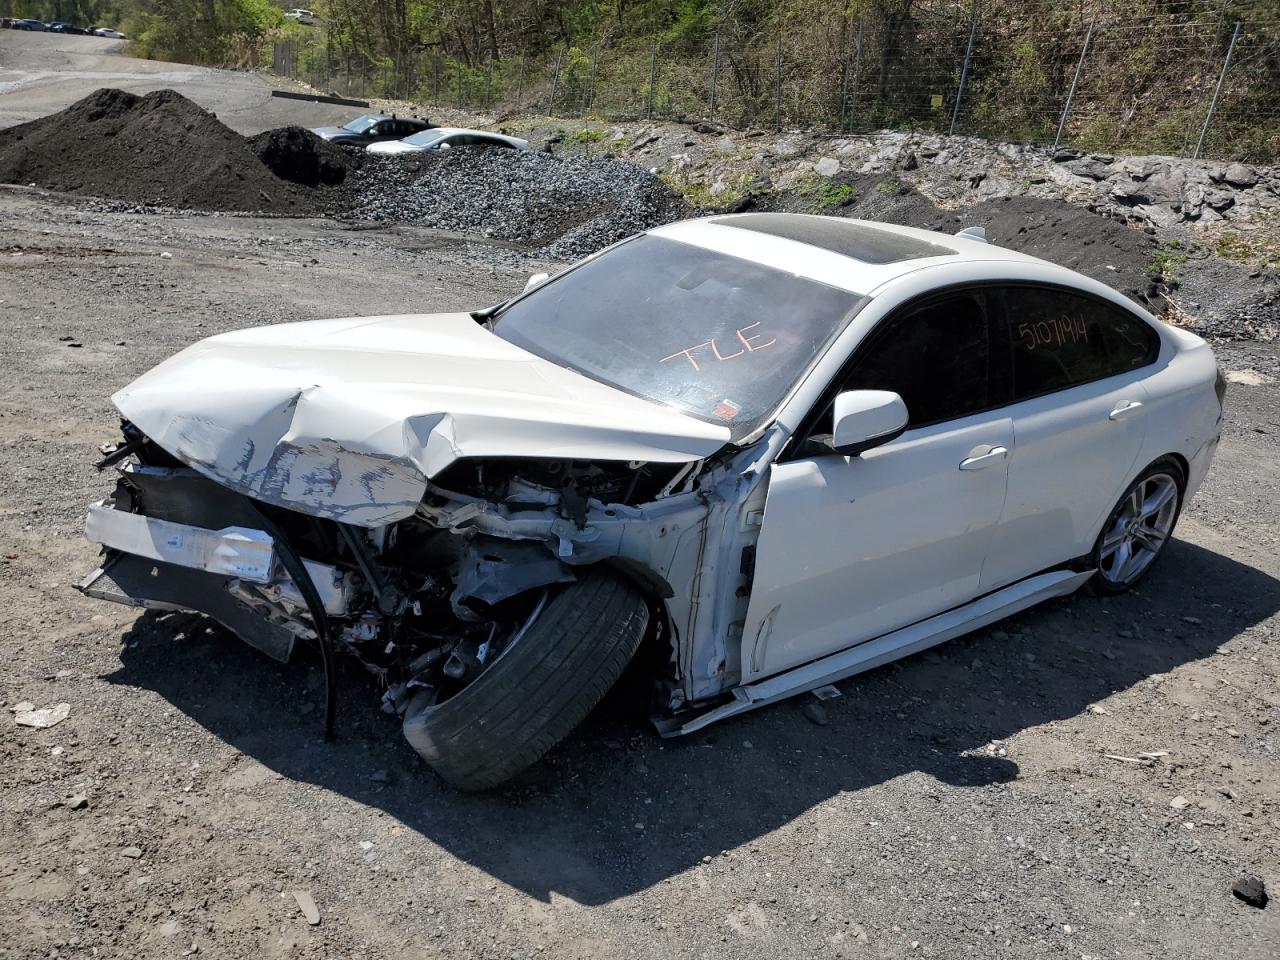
[[1107, 250], [160, 148], [299, 156]]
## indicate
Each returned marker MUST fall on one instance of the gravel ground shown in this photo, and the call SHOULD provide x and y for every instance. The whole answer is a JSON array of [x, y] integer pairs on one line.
[[568, 207], [959, 803]]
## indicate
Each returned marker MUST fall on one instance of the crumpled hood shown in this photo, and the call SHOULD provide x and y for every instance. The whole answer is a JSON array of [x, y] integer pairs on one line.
[[348, 419]]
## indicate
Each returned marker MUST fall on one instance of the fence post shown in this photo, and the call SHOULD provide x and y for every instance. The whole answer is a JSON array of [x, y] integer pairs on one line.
[[555, 82], [1075, 79], [520, 84], [591, 83], [435, 79], [488, 86], [715, 71], [964, 70], [1213, 104], [653, 75], [777, 85], [857, 76]]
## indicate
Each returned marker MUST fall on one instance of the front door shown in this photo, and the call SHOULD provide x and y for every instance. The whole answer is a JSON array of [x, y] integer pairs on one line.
[[855, 547]]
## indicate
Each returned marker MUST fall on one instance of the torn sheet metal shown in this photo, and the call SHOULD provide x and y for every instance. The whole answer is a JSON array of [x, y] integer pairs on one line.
[[348, 419], [493, 570]]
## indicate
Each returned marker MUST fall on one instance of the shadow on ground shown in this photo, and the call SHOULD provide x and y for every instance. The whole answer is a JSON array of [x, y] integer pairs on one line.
[[570, 825]]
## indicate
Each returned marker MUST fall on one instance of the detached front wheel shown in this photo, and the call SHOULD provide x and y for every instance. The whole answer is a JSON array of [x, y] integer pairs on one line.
[[540, 687]]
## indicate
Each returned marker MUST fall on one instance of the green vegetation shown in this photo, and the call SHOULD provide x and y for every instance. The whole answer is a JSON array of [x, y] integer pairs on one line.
[[835, 195], [1148, 75], [1168, 259]]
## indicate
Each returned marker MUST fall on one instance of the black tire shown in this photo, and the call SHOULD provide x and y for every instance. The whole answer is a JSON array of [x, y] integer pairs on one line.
[[538, 689], [1106, 585]]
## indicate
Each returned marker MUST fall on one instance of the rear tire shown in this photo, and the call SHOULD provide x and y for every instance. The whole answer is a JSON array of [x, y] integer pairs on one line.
[[1138, 529], [537, 691]]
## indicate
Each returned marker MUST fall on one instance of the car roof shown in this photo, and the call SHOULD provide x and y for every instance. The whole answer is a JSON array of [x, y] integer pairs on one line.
[[855, 255], [450, 131]]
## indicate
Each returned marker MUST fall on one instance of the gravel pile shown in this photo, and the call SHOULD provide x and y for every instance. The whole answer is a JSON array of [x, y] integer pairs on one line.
[[159, 149], [562, 207]]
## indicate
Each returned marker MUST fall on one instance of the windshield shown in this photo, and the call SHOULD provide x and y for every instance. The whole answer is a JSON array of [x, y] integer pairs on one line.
[[715, 336], [426, 138], [361, 124]]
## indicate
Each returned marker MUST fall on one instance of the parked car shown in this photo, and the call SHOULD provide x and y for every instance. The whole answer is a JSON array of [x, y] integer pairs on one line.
[[784, 448], [109, 33], [23, 24], [305, 17], [63, 27], [444, 138], [373, 128]]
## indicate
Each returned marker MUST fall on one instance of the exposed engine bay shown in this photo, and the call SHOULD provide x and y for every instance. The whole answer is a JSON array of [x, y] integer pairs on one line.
[[427, 603]]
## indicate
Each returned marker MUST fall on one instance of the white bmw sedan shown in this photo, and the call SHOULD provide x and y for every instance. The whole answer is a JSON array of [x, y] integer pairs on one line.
[[780, 449], [446, 138]]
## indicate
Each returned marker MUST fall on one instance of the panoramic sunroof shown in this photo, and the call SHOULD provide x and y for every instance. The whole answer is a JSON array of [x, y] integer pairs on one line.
[[839, 236]]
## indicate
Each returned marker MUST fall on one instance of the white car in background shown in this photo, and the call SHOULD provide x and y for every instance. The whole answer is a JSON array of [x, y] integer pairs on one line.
[[445, 138], [784, 448], [109, 33], [305, 17]]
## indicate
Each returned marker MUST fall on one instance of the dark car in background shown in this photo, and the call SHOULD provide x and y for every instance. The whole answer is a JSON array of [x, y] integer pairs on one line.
[[373, 128], [37, 25]]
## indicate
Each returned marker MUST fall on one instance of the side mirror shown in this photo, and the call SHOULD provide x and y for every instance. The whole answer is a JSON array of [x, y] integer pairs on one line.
[[536, 280], [863, 419], [444, 146]]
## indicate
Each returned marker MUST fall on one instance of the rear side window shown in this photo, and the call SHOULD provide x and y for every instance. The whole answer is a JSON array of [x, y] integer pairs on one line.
[[936, 356], [1062, 339]]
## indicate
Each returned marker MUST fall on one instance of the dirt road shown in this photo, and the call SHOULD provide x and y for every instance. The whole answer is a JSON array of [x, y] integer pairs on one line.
[[959, 803], [41, 73]]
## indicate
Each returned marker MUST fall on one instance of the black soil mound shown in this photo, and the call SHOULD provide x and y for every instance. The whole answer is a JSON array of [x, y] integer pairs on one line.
[[1070, 236], [160, 148], [299, 156]]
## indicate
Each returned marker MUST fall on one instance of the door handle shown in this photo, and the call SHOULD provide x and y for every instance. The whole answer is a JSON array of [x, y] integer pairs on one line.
[[992, 456], [1123, 409]]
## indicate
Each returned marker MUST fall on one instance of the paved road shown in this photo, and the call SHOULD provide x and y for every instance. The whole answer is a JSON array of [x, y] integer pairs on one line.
[[41, 73]]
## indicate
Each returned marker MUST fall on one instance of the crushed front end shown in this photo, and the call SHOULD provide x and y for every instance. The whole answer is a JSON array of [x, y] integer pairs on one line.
[[427, 603]]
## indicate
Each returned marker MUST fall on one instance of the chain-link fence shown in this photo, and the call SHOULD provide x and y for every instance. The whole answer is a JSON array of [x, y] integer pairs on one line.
[[1186, 79]]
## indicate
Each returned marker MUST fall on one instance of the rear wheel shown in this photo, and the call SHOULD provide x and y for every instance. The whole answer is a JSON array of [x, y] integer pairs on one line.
[[1139, 528], [542, 685]]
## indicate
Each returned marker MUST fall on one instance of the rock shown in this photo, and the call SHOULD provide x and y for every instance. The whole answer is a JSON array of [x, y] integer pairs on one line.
[[307, 904], [380, 776], [815, 713], [1251, 890], [1179, 803], [1238, 175], [46, 716], [78, 802], [132, 853], [827, 167], [1089, 167]]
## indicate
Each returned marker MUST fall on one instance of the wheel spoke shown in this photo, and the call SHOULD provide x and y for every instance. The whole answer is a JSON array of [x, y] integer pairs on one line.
[[1123, 554], [1133, 505], [1112, 541], [1165, 492], [1150, 539]]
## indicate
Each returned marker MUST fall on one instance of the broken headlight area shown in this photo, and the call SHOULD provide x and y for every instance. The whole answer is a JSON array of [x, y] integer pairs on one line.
[[426, 604]]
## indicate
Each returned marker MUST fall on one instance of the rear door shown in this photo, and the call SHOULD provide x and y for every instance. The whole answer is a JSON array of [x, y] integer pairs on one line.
[[854, 547], [1079, 418]]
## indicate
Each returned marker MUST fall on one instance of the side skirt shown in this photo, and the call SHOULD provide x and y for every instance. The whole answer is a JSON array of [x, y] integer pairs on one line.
[[892, 646]]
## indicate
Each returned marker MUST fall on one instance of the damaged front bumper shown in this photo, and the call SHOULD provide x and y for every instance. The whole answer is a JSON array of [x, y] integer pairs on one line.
[[231, 574]]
